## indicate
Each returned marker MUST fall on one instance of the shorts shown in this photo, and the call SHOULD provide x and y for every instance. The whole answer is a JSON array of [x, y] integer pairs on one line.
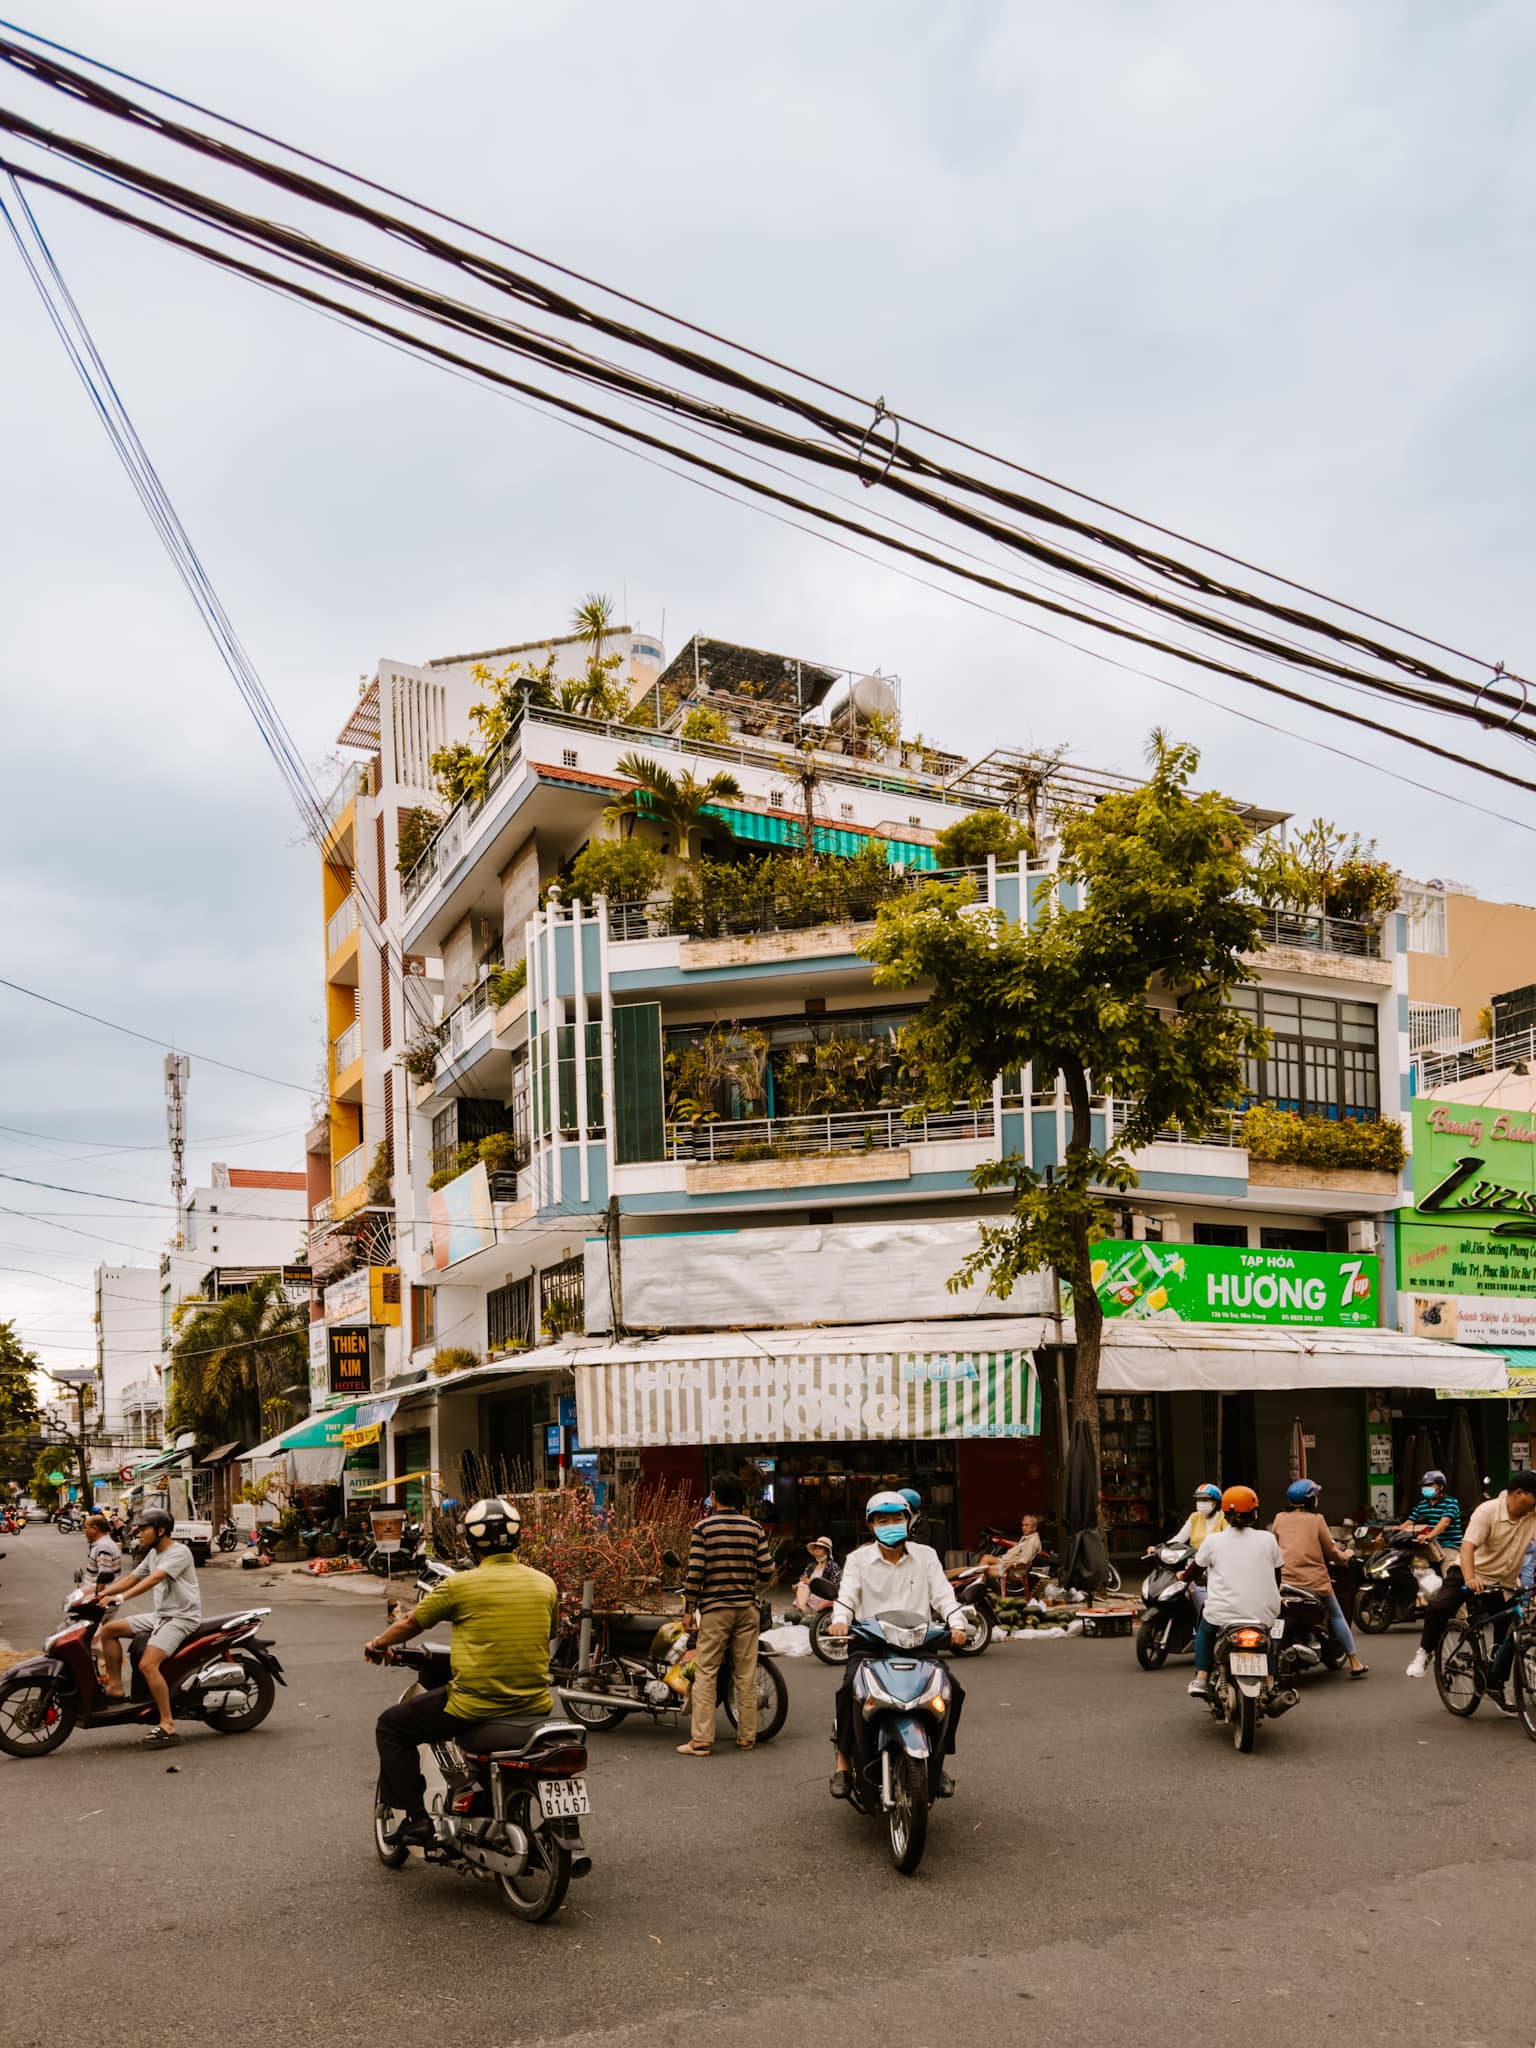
[[166, 1636]]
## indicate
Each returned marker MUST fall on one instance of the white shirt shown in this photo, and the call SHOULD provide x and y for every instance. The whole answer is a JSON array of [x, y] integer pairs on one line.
[[1240, 1583], [913, 1583]]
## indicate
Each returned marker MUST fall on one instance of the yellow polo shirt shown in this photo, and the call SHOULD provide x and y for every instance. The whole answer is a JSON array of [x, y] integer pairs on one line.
[[1498, 1541], [503, 1615]]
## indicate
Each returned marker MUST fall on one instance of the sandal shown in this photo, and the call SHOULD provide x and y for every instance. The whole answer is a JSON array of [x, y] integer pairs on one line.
[[695, 1749], [1359, 1670], [748, 1745], [160, 1738]]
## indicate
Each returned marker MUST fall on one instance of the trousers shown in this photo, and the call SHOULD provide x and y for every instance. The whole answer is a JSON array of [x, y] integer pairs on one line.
[[401, 1730], [722, 1629]]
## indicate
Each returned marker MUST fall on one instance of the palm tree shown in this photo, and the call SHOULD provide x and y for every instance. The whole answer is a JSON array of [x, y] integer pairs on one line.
[[235, 1362], [676, 801], [592, 620]]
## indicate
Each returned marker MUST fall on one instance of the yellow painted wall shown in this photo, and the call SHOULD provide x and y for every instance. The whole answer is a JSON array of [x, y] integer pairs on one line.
[[1490, 947]]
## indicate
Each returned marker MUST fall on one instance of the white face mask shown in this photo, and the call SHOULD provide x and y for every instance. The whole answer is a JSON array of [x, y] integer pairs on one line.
[[1210, 1509]]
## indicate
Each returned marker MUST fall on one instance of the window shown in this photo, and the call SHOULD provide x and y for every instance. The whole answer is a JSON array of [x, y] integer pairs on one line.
[[569, 757], [509, 1316], [845, 810], [1293, 1240], [917, 822], [1222, 1233], [1426, 920], [562, 1297], [775, 799], [1322, 1057], [423, 1316]]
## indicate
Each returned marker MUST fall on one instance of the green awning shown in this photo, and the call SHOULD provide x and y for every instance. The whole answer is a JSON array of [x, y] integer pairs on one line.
[[315, 1433], [162, 1462], [766, 828]]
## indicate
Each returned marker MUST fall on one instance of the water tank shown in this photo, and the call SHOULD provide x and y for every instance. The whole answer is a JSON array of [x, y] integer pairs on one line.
[[862, 698]]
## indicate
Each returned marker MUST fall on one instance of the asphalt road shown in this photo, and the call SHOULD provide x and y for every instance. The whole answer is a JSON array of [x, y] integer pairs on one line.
[[1110, 1871]]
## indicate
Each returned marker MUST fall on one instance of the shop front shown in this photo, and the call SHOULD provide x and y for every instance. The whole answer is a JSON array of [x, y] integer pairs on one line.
[[814, 1421]]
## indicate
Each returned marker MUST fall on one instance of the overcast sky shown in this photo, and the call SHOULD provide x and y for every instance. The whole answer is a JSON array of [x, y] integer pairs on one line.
[[1262, 274]]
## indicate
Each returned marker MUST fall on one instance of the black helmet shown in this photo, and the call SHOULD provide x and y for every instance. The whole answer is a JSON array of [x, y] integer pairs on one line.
[[492, 1525], [156, 1519]]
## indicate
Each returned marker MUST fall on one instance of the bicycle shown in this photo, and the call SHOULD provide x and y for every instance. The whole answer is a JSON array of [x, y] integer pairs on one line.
[[1525, 1669], [1469, 1666]]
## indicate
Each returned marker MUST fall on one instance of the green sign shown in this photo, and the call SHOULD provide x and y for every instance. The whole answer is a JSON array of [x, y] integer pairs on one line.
[[1472, 1229], [1209, 1283], [55, 1478]]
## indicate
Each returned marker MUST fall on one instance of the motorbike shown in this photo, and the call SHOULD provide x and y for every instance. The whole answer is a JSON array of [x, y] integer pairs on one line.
[[66, 1521], [509, 1804], [1399, 1579], [394, 1564], [902, 1693], [1304, 1635], [1168, 1614], [643, 1664], [228, 1535], [226, 1675], [1242, 1691]]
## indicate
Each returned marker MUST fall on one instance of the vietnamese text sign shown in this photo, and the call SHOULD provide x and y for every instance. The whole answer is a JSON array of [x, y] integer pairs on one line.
[[1472, 1229], [349, 1361], [319, 1366], [1207, 1283], [1474, 1319], [346, 1299]]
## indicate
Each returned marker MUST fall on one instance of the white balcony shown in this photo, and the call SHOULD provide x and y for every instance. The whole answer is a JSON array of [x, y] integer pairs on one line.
[[349, 1046], [350, 1172], [340, 925]]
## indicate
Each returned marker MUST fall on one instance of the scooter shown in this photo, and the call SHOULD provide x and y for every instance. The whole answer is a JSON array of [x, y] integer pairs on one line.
[[1242, 1692], [1168, 1613], [225, 1675], [510, 1801], [228, 1535], [1400, 1579], [1304, 1636], [643, 1664], [902, 1695]]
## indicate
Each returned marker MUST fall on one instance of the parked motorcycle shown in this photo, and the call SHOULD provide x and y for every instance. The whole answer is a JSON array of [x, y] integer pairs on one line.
[[225, 1675], [1242, 1691], [509, 1805], [1399, 1581], [902, 1693], [1168, 1615], [643, 1664], [396, 1564], [228, 1535]]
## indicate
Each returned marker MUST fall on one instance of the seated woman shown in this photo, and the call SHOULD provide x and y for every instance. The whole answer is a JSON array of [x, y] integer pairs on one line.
[[821, 1566]]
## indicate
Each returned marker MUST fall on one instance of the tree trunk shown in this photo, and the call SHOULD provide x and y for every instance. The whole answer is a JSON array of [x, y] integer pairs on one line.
[[1087, 1315]]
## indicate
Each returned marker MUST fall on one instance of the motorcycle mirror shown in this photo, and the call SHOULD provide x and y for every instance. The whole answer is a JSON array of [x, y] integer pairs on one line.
[[824, 1589]]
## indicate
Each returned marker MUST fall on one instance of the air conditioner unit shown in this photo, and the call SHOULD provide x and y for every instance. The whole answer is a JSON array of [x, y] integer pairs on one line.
[[1365, 1235]]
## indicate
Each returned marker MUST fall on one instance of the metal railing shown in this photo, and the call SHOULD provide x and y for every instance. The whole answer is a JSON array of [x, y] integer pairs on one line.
[[664, 917], [820, 1137], [455, 1026], [1227, 1131], [341, 923], [348, 1045], [1482, 1056], [353, 780], [321, 1213], [1311, 932], [350, 1171]]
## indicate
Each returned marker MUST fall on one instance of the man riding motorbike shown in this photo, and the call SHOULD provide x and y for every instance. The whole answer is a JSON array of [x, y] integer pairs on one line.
[[503, 1616], [170, 1569], [1242, 1580], [891, 1574]]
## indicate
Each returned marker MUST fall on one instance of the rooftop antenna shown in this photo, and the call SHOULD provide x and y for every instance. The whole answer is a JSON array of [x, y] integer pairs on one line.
[[178, 1070]]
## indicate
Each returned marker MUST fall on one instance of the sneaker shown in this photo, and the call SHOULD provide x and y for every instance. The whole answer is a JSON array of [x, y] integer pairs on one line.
[[1199, 1686], [1419, 1665], [419, 1832], [841, 1786], [946, 1785]]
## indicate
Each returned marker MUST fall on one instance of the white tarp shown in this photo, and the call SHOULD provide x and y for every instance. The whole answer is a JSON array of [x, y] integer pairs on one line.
[[1231, 1358], [820, 1273], [880, 1382]]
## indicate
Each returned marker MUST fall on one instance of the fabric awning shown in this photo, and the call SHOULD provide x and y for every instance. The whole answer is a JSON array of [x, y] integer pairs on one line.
[[162, 1461], [866, 1383], [1237, 1358], [222, 1455], [1522, 1380], [775, 828], [320, 1432]]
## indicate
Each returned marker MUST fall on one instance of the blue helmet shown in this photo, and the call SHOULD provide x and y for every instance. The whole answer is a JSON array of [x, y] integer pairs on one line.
[[1208, 1492], [1302, 1493], [1434, 1478], [913, 1499]]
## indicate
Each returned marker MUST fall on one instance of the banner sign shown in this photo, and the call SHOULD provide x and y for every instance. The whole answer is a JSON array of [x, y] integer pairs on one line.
[[1472, 1319], [349, 1361], [346, 1299], [1472, 1228], [1207, 1283], [319, 1366], [461, 1218]]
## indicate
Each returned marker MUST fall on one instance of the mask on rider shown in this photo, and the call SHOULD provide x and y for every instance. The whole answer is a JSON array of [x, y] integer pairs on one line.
[[1210, 1509], [1429, 1492], [890, 1533]]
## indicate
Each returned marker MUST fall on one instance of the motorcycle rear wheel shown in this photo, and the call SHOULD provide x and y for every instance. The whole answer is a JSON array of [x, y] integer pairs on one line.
[[978, 1632], [391, 1852], [772, 1698], [1373, 1610], [829, 1648], [540, 1891], [906, 1818], [1245, 1722], [1525, 1682], [24, 1698], [1152, 1643], [261, 1693], [1333, 1653]]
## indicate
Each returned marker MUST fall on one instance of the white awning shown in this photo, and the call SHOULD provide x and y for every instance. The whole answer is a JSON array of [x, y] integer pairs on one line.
[[861, 1383], [1235, 1358]]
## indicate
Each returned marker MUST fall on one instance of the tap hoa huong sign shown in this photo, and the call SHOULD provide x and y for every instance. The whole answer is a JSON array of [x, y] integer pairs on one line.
[[1472, 1227], [1206, 1283]]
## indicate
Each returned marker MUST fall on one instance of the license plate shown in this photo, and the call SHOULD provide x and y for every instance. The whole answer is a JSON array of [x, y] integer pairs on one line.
[[1249, 1664], [562, 1798]]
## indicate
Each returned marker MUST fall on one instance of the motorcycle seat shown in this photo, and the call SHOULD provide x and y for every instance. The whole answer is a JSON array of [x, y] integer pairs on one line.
[[515, 1735]]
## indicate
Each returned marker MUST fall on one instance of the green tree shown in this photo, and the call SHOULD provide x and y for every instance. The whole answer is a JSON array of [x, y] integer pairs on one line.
[[967, 842], [592, 619], [1122, 988], [678, 802], [235, 1363], [623, 870], [18, 1390]]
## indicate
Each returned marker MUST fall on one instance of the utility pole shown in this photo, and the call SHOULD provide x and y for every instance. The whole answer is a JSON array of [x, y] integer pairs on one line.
[[178, 1070], [78, 1383]]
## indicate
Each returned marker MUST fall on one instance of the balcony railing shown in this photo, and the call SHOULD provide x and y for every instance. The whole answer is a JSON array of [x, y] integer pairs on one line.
[[664, 917], [1466, 1062], [822, 1137], [352, 780], [350, 1172], [322, 1213], [1227, 1131], [455, 1026], [349, 1046], [341, 923], [1311, 932]]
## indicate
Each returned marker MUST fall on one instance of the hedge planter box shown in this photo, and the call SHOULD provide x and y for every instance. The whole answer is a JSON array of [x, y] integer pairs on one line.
[[1343, 1180], [729, 1176]]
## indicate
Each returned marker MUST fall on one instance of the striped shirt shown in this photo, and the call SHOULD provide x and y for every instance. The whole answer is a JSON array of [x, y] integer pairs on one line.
[[728, 1561], [1448, 1510]]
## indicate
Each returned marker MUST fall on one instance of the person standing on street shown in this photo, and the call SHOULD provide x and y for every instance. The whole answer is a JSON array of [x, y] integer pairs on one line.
[[728, 1565], [169, 1568], [1499, 1532]]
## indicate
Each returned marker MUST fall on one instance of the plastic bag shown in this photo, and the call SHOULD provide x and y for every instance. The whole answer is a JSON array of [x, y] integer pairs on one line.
[[787, 1641]]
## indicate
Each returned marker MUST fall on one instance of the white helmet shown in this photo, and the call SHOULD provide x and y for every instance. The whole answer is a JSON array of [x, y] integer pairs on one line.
[[887, 1503], [492, 1525]]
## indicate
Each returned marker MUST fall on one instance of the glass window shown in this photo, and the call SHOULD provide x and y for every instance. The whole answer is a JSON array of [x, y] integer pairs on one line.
[[1222, 1233], [1293, 1240], [1322, 1058], [509, 1316]]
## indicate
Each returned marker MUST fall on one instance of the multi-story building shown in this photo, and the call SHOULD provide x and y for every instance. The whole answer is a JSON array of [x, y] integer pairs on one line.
[[1464, 950], [689, 1126]]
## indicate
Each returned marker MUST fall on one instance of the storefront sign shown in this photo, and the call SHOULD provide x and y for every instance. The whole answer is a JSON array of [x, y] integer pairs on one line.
[[349, 1361], [346, 1300], [319, 1365], [1472, 1229], [359, 1439], [384, 1297], [1472, 1319], [891, 1396], [461, 1218], [1199, 1283], [388, 1528]]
